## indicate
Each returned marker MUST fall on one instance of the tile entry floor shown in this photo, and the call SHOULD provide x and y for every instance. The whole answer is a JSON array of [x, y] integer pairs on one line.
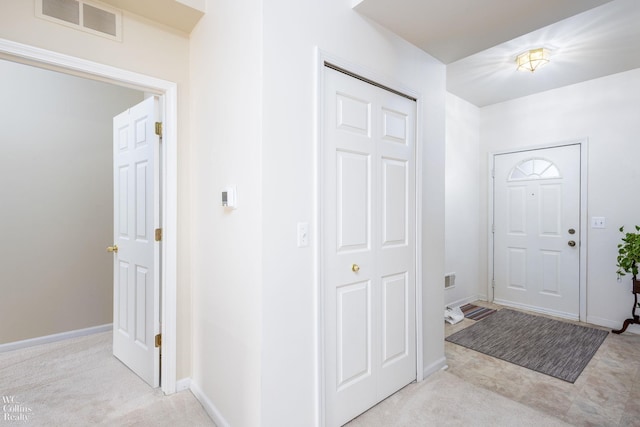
[[607, 393]]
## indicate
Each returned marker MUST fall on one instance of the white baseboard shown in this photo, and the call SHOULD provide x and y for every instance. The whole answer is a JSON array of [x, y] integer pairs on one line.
[[612, 324], [466, 300], [634, 329], [554, 313], [434, 367], [607, 323], [17, 345], [208, 406], [183, 384]]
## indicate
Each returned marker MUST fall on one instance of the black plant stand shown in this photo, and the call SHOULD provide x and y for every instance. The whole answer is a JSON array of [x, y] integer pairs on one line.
[[634, 317]]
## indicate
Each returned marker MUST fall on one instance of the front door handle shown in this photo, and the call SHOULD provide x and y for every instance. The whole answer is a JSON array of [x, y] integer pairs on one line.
[[571, 243], [113, 249]]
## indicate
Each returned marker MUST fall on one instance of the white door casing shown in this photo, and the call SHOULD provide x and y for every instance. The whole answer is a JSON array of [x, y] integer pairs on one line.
[[369, 246], [168, 90], [136, 304], [536, 219]]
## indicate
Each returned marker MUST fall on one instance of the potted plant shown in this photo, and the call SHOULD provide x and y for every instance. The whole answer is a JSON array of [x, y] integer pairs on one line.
[[629, 256]]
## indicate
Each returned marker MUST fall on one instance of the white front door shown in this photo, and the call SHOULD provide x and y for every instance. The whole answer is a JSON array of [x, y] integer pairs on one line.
[[136, 290], [537, 229], [368, 245]]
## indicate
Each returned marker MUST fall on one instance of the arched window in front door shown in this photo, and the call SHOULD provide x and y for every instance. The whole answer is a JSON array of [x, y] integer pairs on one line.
[[534, 168]]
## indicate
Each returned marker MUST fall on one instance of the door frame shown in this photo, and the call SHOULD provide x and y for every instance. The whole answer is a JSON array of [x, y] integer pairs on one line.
[[583, 143], [323, 57], [167, 91]]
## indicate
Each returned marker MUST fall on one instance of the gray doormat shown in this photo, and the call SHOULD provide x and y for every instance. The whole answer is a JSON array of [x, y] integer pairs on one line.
[[552, 347]]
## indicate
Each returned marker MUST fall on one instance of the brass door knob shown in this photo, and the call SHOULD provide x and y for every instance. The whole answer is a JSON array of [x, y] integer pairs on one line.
[[113, 248], [355, 268], [571, 243]]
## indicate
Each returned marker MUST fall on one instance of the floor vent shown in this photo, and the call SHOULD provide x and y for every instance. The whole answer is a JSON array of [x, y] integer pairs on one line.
[[83, 15], [449, 280]]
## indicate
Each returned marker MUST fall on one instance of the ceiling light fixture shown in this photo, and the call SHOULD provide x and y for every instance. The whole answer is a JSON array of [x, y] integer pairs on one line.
[[532, 59]]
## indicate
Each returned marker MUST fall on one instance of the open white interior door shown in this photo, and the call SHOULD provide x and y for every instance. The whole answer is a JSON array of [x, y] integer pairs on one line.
[[136, 290]]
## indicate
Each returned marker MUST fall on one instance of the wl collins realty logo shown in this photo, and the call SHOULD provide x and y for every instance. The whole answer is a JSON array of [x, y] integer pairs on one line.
[[13, 410]]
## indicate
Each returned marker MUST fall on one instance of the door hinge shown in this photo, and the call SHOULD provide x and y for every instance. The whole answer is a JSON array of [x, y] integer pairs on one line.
[[493, 228], [158, 234], [159, 128], [158, 340], [493, 283], [493, 173]]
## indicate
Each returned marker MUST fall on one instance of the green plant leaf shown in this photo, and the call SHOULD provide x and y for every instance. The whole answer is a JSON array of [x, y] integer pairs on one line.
[[629, 253]]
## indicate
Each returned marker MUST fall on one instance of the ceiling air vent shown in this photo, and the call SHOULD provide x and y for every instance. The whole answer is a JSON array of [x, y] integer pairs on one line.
[[83, 15]]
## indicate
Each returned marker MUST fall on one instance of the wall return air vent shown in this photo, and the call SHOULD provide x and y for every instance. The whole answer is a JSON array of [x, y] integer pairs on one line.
[[83, 15], [450, 280]]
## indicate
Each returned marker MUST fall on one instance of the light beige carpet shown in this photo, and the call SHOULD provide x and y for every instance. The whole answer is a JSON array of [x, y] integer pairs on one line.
[[446, 400], [78, 382]]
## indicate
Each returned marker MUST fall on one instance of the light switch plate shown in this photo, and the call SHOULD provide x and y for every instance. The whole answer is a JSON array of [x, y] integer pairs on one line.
[[598, 222], [303, 234]]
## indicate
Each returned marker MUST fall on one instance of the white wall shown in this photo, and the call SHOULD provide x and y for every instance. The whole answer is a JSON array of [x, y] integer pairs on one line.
[[56, 151], [226, 79], [290, 349], [605, 111], [292, 31], [462, 201], [255, 296], [147, 49]]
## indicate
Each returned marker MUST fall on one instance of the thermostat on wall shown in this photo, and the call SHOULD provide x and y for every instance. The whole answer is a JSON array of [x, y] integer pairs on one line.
[[229, 197]]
